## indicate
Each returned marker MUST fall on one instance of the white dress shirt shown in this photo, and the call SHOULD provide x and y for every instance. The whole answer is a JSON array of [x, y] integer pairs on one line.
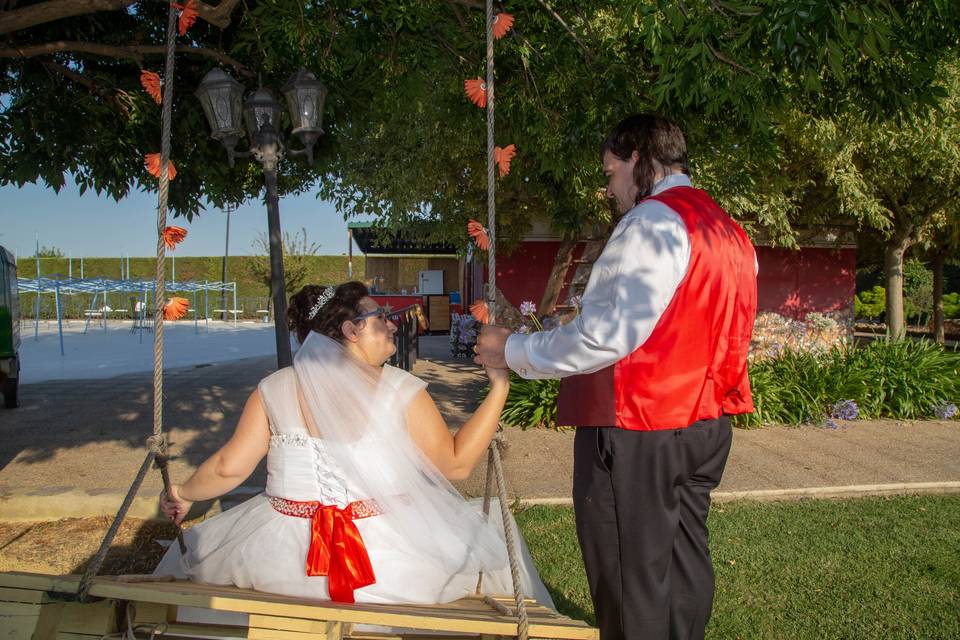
[[630, 286]]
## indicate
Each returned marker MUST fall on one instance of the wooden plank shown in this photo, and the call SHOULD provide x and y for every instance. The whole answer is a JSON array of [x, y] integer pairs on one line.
[[301, 625], [40, 582], [9, 594], [17, 627], [91, 618], [232, 599], [11, 609], [278, 634], [49, 621], [544, 624], [152, 613], [219, 631]]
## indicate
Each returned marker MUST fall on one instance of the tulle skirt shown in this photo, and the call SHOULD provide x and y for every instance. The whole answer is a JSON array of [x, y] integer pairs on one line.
[[254, 546]]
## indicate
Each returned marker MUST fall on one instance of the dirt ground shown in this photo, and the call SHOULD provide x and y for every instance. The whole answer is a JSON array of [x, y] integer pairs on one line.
[[66, 546]]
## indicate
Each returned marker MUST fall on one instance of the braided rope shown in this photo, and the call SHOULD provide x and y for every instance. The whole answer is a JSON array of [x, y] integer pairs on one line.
[[523, 624], [491, 179], [157, 443]]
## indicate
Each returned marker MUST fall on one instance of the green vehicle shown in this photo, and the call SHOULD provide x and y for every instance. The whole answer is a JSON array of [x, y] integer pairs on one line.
[[9, 329]]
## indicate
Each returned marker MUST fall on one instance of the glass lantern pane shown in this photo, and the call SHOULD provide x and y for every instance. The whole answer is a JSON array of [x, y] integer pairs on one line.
[[222, 108], [308, 109]]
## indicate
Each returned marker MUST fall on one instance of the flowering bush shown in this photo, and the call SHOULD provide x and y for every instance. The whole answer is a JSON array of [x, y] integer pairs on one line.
[[946, 411], [845, 410], [772, 333], [906, 379], [463, 335]]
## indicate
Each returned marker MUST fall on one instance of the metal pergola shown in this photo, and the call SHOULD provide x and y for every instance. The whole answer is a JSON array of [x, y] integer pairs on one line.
[[101, 288]]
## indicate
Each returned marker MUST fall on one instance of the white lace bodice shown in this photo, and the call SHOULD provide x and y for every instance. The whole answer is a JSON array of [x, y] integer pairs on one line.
[[298, 465]]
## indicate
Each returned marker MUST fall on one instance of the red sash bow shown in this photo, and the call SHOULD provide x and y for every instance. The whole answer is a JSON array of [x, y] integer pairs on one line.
[[336, 546]]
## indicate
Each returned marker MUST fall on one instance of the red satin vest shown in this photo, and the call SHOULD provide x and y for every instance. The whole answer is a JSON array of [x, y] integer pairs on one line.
[[694, 364]]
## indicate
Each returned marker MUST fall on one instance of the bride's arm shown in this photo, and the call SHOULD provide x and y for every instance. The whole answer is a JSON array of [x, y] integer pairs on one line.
[[229, 466], [455, 456]]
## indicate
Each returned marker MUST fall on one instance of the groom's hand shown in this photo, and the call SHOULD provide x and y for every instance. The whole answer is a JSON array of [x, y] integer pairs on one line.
[[490, 346]]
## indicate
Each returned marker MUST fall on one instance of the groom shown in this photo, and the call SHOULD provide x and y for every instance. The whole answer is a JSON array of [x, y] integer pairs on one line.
[[653, 367]]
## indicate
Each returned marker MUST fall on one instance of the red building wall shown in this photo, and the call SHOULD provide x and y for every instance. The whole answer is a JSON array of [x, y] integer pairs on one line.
[[524, 274], [792, 283], [795, 283]]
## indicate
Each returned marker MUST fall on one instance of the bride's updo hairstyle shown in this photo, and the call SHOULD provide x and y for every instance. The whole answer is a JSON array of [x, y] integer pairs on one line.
[[343, 306]]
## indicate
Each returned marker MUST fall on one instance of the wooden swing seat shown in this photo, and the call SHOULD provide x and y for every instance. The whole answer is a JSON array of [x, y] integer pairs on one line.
[[43, 607]]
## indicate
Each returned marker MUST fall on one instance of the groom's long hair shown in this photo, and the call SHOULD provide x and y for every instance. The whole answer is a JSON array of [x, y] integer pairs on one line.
[[653, 137]]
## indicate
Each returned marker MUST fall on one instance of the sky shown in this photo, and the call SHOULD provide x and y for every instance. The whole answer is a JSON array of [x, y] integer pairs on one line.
[[97, 226]]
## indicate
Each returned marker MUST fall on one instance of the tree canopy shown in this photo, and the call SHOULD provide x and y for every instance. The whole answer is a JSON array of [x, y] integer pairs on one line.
[[403, 143]]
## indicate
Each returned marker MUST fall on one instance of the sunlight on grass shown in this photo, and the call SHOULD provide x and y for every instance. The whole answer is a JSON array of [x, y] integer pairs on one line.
[[867, 568]]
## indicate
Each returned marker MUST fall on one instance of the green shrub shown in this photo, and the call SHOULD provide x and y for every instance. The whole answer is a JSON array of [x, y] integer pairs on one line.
[[871, 303], [531, 403], [907, 379], [951, 305]]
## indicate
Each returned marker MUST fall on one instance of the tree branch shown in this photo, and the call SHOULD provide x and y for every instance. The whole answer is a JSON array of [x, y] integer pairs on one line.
[[34, 14], [132, 52], [556, 16], [43, 12], [724, 59], [219, 15], [83, 80]]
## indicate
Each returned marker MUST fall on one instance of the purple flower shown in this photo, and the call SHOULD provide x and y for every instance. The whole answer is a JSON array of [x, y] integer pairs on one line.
[[830, 424], [845, 410], [523, 329], [946, 411], [527, 308]]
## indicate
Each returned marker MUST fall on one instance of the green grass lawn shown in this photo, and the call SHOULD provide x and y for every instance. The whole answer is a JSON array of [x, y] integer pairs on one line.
[[870, 568]]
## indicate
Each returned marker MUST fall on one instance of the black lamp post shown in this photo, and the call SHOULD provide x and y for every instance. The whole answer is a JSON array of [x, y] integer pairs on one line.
[[221, 97]]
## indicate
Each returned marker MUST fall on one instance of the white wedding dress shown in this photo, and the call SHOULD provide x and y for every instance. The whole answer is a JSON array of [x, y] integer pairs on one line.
[[425, 543]]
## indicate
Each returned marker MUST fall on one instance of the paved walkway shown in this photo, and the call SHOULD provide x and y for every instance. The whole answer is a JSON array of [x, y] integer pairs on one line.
[[74, 446]]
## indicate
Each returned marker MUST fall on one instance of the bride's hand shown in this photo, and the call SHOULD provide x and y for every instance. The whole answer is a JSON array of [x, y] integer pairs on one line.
[[173, 505], [498, 376]]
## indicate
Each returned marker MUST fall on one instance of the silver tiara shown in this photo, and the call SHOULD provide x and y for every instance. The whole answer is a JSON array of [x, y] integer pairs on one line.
[[324, 298]]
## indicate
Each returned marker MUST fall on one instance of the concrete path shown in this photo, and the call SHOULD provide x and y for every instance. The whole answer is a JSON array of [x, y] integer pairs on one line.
[[73, 447]]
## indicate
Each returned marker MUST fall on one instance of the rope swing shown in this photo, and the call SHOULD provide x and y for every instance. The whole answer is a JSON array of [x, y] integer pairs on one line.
[[156, 443], [494, 463], [163, 169]]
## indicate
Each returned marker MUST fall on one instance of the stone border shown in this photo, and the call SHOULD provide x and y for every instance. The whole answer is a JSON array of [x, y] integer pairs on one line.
[[73, 503]]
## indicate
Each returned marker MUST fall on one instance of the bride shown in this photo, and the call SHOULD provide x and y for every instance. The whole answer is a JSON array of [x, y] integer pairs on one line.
[[358, 506]]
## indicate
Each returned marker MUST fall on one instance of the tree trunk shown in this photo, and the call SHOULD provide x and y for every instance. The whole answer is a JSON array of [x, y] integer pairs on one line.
[[938, 259], [557, 275], [893, 270]]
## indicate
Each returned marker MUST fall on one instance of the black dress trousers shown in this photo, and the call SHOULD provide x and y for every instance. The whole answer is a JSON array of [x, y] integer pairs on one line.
[[641, 500]]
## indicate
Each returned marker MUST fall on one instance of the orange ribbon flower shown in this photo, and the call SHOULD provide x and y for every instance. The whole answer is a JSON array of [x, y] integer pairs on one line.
[[476, 90], [152, 163], [151, 84], [336, 547], [503, 157], [479, 234], [172, 236], [480, 312], [188, 15], [501, 24], [175, 308]]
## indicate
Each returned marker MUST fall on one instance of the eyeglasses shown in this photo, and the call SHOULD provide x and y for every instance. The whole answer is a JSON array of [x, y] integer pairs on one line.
[[379, 312]]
